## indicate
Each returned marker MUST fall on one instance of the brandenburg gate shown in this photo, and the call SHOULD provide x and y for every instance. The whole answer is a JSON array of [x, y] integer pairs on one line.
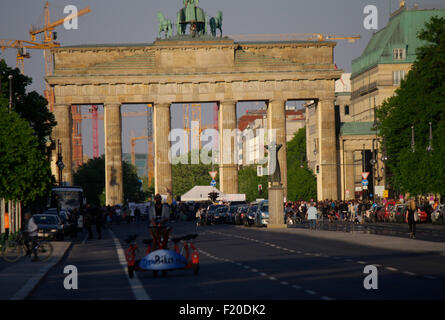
[[195, 69]]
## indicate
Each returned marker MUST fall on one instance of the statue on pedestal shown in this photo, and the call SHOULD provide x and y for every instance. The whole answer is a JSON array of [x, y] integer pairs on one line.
[[274, 164]]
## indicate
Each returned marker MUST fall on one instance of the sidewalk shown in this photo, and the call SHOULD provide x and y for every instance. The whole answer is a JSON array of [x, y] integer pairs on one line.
[[19, 279], [369, 240]]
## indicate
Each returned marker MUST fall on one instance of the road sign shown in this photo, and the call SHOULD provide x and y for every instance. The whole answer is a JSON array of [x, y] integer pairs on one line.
[[213, 183], [365, 187], [213, 174], [365, 175], [385, 194], [365, 182], [259, 171]]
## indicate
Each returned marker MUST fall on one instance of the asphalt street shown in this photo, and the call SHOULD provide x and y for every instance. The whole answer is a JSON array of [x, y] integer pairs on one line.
[[239, 263]]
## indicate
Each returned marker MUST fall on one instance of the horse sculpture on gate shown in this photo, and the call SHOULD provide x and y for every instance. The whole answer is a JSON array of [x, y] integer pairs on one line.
[[216, 23], [165, 26]]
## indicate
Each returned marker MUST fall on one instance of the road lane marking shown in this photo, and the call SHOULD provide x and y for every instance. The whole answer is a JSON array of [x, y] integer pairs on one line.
[[392, 269], [310, 292], [430, 277], [361, 262], [296, 286], [254, 270], [272, 278], [246, 267], [326, 298], [263, 274], [409, 273], [284, 283], [136, 285]]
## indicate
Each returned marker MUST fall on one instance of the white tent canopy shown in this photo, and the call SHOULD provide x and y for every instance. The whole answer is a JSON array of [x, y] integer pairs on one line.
[[199, 193]]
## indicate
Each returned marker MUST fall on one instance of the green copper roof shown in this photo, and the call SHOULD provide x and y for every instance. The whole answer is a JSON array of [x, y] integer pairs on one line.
[[356, 129], [399, 33]]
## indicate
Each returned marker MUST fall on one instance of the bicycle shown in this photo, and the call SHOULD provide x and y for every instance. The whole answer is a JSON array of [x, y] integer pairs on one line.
[[14, 249]]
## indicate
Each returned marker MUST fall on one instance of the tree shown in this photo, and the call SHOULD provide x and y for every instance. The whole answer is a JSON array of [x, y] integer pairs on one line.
[[186, 176], [248, 182], [301, 182], [91, 177], [419, 100], [24, 172], [30, 106]]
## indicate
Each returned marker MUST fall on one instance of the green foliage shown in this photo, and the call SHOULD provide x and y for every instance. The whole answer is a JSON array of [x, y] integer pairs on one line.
[[30, 106], [301, 182], [91, 177], [24, 172], [419, 100], [248, 182], [186, 176]]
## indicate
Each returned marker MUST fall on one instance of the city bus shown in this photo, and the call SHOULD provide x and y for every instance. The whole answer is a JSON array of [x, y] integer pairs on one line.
[[67, 198]]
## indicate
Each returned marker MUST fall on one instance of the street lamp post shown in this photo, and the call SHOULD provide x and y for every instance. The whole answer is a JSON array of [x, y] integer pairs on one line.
[[60, 164], [10, 92], [413, 147]]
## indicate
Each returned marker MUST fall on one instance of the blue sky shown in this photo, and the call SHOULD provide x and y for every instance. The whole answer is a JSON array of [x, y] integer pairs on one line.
[[134, 21]]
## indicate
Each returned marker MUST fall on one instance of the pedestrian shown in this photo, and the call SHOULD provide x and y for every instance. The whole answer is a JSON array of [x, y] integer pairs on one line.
[[137, 214], [99, 222], [412, 217], [311, 215], [88, 222], [30, 236], [6, 225]]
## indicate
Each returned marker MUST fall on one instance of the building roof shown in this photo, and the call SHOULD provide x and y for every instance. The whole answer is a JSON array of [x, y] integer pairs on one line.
[[356, 129], [400, 32], [252, 115]]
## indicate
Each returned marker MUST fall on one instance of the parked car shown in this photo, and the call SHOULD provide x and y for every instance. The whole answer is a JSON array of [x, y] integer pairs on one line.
[[209, 213], [399, 213], [239, 214], [262, 214], [385, 215], [423, 216], [223, 213], [216, 215], [437, 217], [231, 213], [249, 216], [49, 226]]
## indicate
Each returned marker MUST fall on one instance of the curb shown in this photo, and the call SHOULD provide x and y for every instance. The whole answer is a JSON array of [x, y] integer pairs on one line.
[[28, 289]]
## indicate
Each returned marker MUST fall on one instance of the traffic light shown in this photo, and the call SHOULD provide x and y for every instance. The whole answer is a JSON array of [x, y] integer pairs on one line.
[[318, 169], [260, 189], [213, 196]]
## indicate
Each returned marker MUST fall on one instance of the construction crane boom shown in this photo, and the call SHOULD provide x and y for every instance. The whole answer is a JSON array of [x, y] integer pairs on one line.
[[49, 26]]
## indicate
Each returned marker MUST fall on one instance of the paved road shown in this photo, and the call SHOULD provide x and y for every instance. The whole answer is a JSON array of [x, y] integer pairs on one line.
[[247, 263]]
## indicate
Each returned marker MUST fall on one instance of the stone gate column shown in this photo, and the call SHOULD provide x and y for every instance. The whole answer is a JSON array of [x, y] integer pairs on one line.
[[228, 168], [163, 167], [63, 132], [349, 174], [327, 155], [114, 188], [276, 119]]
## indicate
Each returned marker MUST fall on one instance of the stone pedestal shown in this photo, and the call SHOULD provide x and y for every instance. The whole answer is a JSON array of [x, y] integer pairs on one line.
[[163, 167], [63, 132], [276, 207], [276, 120], [114, 188], [228, 169]]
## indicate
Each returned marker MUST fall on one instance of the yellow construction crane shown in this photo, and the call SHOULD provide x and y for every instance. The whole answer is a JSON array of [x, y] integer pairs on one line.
[[49, 37], [22, 47], [292, 37]]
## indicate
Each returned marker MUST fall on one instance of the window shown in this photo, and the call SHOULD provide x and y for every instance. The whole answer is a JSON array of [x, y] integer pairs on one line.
[[346, 110], [397, 77], [398, 54]]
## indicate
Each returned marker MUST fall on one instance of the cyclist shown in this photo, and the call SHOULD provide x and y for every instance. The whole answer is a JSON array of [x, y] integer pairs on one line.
[[159, 217], [30, 236]]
